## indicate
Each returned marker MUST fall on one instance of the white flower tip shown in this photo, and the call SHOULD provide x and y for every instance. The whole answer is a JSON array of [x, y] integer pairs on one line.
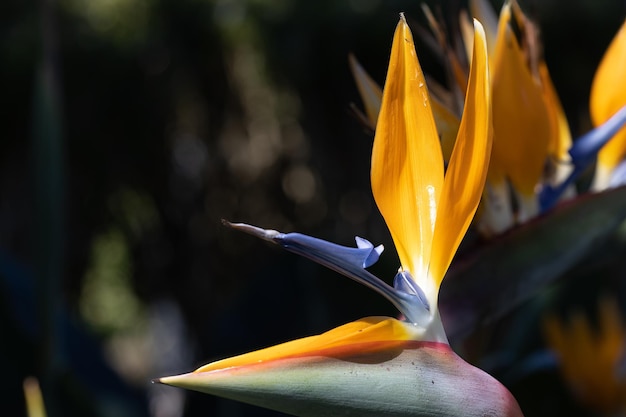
[[265, 234]]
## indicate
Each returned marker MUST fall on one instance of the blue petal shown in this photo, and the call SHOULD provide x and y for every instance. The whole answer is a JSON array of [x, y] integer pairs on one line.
[[373, 253], [583, 153], [548, 196], [618, 177], [584, 150], [403, 281], [350, 262]]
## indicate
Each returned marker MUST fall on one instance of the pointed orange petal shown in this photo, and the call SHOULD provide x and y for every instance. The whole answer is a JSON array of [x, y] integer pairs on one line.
[[520, 120], [561, 138], [559, 164], [407, 164], [483, 11], [467, 171], [612, 332], [361, 336], [608, 95]]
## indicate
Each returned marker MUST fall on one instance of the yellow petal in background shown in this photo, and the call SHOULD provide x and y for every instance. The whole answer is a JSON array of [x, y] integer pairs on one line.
[[445, 119], [34, 399], [467, 33], [370, 91], [608, 95], [590, 357], [561, 139], [467, 171], [520, 118], [560, 136], [407, 163]]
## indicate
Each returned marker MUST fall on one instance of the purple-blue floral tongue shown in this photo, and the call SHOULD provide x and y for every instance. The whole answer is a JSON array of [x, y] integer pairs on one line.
[[583, 153], [405, 295]]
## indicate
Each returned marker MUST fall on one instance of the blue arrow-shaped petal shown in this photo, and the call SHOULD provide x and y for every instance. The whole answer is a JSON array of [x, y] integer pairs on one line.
[[348, 261], [583, 153]]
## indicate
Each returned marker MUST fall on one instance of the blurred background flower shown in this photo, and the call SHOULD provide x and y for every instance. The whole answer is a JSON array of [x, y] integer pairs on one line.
[[606, 100], [592, 357], [131, 128]]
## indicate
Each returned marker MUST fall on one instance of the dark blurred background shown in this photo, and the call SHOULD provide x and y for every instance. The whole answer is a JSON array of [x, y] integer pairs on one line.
[[130, 128]]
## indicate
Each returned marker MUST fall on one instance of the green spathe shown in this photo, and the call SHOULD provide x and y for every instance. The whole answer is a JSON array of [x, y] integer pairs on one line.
[[408, 379]]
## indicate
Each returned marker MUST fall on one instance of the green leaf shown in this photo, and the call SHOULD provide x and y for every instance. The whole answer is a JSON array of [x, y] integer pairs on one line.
[[493, 279]]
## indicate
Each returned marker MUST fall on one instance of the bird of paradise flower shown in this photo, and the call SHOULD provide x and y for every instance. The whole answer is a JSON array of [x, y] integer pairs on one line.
[[379, 365], [592, 360], [534, 157]]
